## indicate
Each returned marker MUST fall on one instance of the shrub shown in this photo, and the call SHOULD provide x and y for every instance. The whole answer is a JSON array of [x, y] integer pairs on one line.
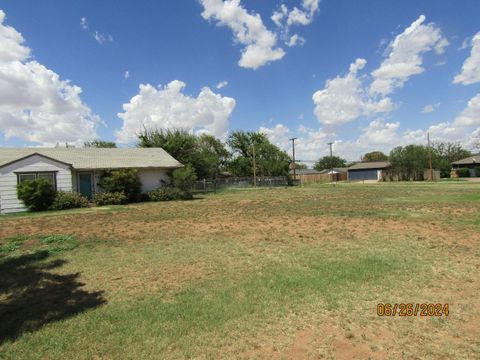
[[184, 178], [167, 193], [463, 172], [36, 194], [477, 171], [68, 200], [124, 181], [110, 198]]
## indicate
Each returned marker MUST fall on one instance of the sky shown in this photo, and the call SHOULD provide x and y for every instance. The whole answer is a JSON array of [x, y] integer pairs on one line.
[[365, 75]]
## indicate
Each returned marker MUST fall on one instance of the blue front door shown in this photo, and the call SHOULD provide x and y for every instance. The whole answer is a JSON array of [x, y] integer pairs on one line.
[[85, 184]]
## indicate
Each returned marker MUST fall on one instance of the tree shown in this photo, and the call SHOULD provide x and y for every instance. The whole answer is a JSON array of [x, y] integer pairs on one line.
[[374, 156], [96, 143], [328, 162], [205, 153], [212, 156], [450, 151], [409, 162], [269, 159], [184, 178]]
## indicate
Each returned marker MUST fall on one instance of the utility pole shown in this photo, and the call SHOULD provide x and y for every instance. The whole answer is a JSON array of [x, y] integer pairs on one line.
[[294, 163], [254, 168], [430, 156], [331, 162]]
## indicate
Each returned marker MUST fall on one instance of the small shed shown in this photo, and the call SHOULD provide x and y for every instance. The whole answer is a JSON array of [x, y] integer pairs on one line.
[[368, 170]]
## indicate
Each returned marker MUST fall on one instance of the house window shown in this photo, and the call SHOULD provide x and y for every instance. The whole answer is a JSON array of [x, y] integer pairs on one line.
[[50, 176]]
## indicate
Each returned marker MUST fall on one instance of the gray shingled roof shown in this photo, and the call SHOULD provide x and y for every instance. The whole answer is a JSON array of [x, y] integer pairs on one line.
[[475, 159], [370, 165], [97, 158]]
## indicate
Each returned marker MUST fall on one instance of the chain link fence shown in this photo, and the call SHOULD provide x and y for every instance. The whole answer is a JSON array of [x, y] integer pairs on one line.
[[212, 185]]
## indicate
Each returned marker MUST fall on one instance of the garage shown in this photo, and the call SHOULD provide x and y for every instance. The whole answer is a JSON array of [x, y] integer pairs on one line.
[[373, 170]]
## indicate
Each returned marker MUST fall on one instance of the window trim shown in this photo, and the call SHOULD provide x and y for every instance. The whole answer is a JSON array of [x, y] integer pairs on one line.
[[54, 172]]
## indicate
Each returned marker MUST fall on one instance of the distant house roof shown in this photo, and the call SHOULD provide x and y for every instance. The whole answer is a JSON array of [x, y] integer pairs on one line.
[[475, 159], [336, 170], [96, 158], [370, 165]]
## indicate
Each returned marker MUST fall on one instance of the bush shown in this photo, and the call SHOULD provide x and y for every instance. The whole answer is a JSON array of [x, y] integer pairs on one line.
[[184, 178], [68, 200], [124, 181], [36, 194], [168, 194], [110, 198], [477, 171], [463, 172]]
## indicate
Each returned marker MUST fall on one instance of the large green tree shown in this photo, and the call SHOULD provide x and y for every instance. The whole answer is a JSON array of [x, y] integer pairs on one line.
[[444, 153], [374, 156], [269, 159], [327, 162], [206, 154], [409, 162]]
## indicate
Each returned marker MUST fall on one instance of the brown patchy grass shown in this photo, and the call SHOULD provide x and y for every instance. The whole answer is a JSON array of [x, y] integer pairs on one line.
[[154, 252]]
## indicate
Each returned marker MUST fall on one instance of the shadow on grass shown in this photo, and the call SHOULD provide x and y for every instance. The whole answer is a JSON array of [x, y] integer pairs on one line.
[[32, 296]]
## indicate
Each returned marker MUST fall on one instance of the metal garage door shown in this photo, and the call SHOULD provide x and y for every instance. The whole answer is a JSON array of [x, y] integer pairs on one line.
[[362, 175]]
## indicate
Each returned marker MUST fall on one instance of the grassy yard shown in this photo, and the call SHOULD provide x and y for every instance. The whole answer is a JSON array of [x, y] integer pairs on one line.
[[269, 273]]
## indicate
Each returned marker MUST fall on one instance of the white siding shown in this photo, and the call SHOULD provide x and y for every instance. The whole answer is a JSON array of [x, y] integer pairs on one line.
[[150, 178], [8, 179]]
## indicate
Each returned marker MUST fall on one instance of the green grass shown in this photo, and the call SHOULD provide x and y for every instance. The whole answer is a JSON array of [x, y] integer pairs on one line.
[[234, 272]]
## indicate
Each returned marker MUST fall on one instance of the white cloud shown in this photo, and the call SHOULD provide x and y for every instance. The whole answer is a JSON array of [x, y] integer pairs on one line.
[[471, 67], [405, 56], [35, 104], [295, 40], [344, 99], [248, 29], [167, 108], [126, 74], [84, 23], [430, 108], [470, 116], [102, 38], [221, 84], [285, 18], [379, 134], [97, 35]]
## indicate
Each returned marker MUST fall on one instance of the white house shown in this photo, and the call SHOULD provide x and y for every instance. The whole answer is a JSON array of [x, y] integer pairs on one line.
[[77, 169]]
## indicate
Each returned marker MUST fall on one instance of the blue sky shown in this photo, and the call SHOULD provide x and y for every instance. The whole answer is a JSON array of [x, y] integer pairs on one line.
[[409, 55]]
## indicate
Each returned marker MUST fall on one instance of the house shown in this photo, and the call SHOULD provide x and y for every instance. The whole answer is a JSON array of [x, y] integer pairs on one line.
[[77, 169], [368, 170], [470, 162]]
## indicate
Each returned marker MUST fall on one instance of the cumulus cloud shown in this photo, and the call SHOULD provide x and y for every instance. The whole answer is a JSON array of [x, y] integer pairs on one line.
[[284, 19], [379, 133], [470, 73], [295, 40], [405, 56], [344, 99], [248, 29], [470, 116], [168, 108], [221, 84], [35, 104]]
